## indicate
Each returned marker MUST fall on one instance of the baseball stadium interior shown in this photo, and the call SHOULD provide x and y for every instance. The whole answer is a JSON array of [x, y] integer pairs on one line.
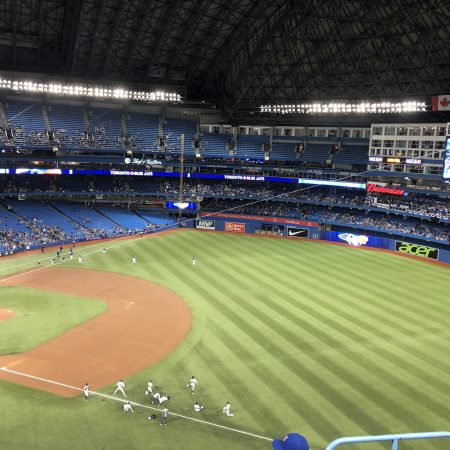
[[128, 117]]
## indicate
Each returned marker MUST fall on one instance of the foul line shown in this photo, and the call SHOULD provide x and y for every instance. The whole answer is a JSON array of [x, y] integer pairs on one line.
[[5, 369], [119, 241]]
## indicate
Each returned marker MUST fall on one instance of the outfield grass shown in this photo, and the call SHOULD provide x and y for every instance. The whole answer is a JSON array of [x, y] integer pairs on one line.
[[299, 336], [40, 316]]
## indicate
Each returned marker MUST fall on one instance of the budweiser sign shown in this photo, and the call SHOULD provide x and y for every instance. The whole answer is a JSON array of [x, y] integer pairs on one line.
[[384, 190]]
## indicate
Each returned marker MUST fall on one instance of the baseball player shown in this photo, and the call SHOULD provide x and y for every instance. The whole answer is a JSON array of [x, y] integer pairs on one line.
[[227, 409], [156, 397], [53, 260], [80, 261], [197, 407], [127, 407], [71, 253], [163, 398], [104, 250], [192, 383], [164, 414], [86, 391], [119, 387], [149, 388], [133, 260], [193, 260]]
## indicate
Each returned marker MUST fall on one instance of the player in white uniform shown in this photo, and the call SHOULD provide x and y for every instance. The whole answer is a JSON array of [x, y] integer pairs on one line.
[[86, 391], [156, 397], [79, 259], [192, 383], [127, 407], [133, 260], [197, 407], [119, 387], [149, 388], [227, 409], [163, 398], [193, 260]]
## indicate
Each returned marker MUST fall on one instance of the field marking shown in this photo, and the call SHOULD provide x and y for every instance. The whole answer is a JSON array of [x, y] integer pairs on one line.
[[116, 242], [5, 369]]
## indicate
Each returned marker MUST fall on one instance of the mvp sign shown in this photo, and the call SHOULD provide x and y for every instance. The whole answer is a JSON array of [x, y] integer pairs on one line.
[[416, 250]]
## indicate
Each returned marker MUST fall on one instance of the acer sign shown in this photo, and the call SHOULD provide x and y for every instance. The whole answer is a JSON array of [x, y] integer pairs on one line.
[[416, 250], [298, 232], [384, 190]]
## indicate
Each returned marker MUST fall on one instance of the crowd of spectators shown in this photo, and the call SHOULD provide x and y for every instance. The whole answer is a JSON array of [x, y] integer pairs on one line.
[[36, 234], [338, 216], [401, 214]]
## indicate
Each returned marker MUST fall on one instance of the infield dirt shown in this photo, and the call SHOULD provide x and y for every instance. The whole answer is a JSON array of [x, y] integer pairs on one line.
[[142, 324]]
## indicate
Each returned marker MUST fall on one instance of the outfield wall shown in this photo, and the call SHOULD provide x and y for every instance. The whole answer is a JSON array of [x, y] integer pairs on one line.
[[301, 229]]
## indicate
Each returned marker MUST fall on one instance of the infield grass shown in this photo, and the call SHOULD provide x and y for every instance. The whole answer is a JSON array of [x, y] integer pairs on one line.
[[324, 340], [40, 316]]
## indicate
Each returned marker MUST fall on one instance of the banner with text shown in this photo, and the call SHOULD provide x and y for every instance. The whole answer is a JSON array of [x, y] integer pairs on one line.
[[205, 224], [235, 227], [416, 250], [280, 220]]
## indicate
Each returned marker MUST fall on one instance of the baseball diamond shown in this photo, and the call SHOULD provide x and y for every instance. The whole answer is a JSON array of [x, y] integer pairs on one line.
[[224, 225]]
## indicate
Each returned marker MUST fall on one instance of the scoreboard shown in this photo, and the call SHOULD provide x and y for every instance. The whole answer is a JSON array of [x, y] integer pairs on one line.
[[446, 172], [395, 160]]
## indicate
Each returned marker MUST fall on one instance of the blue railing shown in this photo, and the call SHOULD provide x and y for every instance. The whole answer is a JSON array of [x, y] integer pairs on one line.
[[388, 437]]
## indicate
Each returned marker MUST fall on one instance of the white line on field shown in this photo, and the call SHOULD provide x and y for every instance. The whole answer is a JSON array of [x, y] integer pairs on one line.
[[5, 369], [82, 250]]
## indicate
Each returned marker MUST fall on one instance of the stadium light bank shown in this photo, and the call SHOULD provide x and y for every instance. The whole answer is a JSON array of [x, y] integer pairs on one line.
[[357, 107], [82, 90]]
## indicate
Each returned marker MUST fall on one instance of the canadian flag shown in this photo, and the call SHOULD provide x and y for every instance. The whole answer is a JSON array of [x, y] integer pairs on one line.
[[441, 102]]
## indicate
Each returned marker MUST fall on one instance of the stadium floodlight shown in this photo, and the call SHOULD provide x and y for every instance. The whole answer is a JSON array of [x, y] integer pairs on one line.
[[350, 107], [81, 90]]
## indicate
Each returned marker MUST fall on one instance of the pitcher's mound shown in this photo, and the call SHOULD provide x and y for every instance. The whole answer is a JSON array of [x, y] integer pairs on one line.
[[6, 314]]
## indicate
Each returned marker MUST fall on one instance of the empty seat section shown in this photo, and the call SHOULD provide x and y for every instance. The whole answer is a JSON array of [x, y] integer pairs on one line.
[[250, 146], [106, 124], [86, 216], [144, 128], [48, 215], [155, 218], [123, 217], [216, 145], [27, 121], [68, 123], [283, 151], [352, 154], [173, 128]]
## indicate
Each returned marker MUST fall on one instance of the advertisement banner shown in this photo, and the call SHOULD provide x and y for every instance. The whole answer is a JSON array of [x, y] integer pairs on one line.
[[298, 232], [235, 227], [205, 224], [264, 219], [416, 250], [355, 240]]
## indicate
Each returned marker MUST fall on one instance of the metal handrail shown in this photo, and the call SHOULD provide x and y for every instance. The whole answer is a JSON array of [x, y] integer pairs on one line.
[[387, 437]]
